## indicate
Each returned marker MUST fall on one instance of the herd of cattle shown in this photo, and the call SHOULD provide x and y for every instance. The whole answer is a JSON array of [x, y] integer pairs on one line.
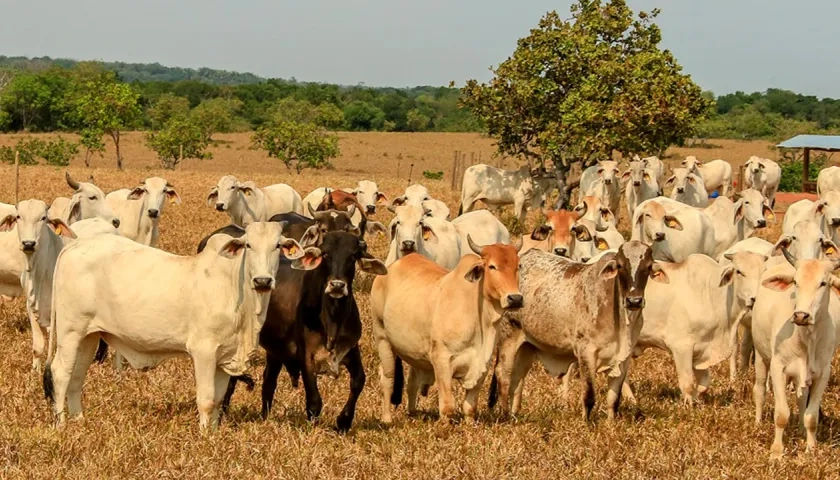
[[451, 293]]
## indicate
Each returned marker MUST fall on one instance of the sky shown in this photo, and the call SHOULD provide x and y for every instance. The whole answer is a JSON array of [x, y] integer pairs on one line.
[[726, 45]]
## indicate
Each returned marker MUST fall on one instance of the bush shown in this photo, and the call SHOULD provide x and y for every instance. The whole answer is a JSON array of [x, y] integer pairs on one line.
[[432, 175], [298, 145], [792, 173], [178, 140], [54, 152]]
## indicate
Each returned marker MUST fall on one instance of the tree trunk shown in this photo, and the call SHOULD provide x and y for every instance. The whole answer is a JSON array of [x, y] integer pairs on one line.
[[563, 193], [116, 136]]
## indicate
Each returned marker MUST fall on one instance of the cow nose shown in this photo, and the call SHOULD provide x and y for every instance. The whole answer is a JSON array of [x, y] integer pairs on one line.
[[636, 183], [560, 251], [337, 284], [608, 181], [28, 245], [835, 221], [408, 245], [116, 223], [584, 259], [659, 237], [801, 318], [371, 209], [220, 207], [634, 303], [751, 302], [514, 300], [263, 283], [680, 189], [154, 213], [761, 223]]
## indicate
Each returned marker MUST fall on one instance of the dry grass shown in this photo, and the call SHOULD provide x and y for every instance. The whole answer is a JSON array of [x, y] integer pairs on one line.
[[144, 425]]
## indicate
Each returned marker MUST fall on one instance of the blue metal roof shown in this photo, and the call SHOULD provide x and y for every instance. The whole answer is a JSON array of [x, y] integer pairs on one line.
[[817, 142]]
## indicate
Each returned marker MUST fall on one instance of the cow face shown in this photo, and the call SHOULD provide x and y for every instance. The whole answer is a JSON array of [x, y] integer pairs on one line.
[[753, 208], [807, 242], [414, 195], [226, 191], [32, 225], [558, 231], [88, 201], [499, 267], [436, 209], [591, 208], [811, 282], [368, 195], [828, 210], [653, 224], [692, 164], [754, 167], [328, 221], [608, 172], [637, 175], [683, 181], [153, 192], [261, 246], [632, 266], [410, 228], [745, 274]]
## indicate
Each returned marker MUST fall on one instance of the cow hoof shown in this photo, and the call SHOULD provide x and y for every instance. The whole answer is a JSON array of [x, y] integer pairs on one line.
[[343, 423]]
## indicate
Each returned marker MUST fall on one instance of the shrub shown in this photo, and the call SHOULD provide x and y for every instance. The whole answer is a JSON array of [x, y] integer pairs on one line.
[[178, 140], [57, 152], [298, 145], [432, 175], [792, 172]]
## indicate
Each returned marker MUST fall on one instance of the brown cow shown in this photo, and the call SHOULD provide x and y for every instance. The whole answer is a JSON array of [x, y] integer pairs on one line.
[[347, 201], [589, 314], [560, 235], [442, 323]]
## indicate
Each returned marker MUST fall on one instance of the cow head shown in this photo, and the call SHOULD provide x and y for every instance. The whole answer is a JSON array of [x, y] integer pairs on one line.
[[556, 232], [414, 195], [411, 228], [435, 208], [828, 209], [653, 224], [32, 225], [88, 201], [632, 266], [753, 208], [498, 265], [368, 194], [755, 167], [591, 208], [806, 241], [227, 191], [637, 175], [811, 281], [260, 248], [608, 171], [692, 164], [684, 182], [744, 274], [153, 192], [328, 221]]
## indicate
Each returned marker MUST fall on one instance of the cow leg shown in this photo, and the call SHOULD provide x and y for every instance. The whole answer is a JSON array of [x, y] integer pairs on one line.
[[38, 341], [519, 209], [470, 405], [801, 405], [735, 354], [415, 382], [442, 363], [524, 361], [228, 395], [387, 371], [615, 388], [587, 375], [812, 412], [759, 387], [84, 357], [566, 381], [118, 361], [273, 366], [782, 411], [353, 362], [61, 372], [703, 378], [683, 358], [314, 403], [210, 386], [746, 350]]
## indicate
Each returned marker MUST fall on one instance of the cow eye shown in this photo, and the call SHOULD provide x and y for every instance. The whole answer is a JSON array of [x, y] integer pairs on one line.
[[92, 198], [492, 267], [231, 188], [823, 283], [44, 218], [746, 203], [739, 272], [793, 238], [247, 245], [18, 217]]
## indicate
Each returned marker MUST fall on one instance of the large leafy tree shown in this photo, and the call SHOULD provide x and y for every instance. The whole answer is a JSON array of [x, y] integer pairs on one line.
[[297, 144], [576, 90]]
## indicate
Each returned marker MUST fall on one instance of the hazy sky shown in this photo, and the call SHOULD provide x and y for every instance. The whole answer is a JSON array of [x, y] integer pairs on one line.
[[726, 45]]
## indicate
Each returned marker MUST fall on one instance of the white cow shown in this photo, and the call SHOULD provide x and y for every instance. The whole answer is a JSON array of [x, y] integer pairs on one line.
[[825, 211], [434, 238], [496, 187], [601, 181], [591, 208], [313, 199], [736, 221], [88, 201], [110, 288], [245, 203], [139, 209], [368, 195], [794, 333], [828, 180], [414, 195], [673, 230], [717, 174], [764, 175], [591, 242], [807, 241], [482, 226], [12, 260], [655, 164], [688, 188], [641, 185], [693, 315], [40, 240], [435, 208]]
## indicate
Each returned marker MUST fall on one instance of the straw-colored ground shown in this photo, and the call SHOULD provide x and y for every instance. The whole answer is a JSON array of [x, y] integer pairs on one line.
[[144, 425]]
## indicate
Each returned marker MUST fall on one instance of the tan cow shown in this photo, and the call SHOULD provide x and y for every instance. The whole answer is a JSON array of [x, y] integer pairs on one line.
[[442, 323]]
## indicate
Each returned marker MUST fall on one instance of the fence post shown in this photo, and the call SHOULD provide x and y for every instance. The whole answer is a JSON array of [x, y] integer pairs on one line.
[[472, 158], [17, 177], [454, 169]]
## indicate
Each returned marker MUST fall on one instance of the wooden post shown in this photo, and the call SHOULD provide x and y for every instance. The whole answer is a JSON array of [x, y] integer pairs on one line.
[[410, 169], [472, 158], [454, 169], [806, 167], [17, 177], [180, 153]]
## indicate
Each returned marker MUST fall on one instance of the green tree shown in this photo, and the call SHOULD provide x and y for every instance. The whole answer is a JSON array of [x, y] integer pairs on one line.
[[167, 107], [179, 139], [362, 116], [296, 144], [216, 115], [576, 90], [325, 115], [26, 98], [416, 121]]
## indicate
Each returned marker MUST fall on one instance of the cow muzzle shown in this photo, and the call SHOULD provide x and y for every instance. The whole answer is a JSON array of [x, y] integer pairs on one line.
[[634, 303], [408, 246], [154, 213], [835, 222], [28, 246], [513, 301], [680, 190], [336, 288], [761, 224], [263, 284], [371, 209], [659, 237], [637, 183], [802, 319], [116, 223], [607, 181], [560, 251], [220, 207]]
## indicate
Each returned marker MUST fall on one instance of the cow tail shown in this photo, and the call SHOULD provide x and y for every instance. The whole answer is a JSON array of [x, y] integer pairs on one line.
[[493, 394], [101, 352], [399, 382]]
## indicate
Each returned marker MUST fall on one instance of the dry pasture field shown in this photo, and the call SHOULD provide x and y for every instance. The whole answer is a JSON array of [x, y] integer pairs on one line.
[[145, 425]]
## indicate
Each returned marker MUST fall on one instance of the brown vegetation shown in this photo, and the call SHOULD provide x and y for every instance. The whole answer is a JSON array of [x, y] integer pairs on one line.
[[144, 425]]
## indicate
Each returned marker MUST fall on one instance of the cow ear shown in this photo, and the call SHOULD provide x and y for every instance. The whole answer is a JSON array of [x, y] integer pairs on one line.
[[247, 190], [761, 166], [60, 228], [691, 179], [399, 201], [835, 284], [601, 244], [75, 209], [768, 212], [657, 273], [373, 266], [137, 193], [739, 211], [830, 249], [582, 233], [670, 180], [291, 248], [783, 242], [310, 259], [625, 176], [381, 197], [541, 232], [475, 272], [214, 195], [729, 256], [429, 234], [726, 276], [607, 214], [173, 196], [372, 228], [610, 270], [672, 222], [232, 248], [312, 236], [8, 223], [819, 207], [779, 283]]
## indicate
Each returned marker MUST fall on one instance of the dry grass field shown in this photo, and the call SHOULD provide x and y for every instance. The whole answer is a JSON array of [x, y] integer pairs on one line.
[[145, 425]]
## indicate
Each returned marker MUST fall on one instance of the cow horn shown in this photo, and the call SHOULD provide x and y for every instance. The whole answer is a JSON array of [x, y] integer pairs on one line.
[[73, 184], [351, 210], [475, 248], [790, 258], [311, 211], [169, 184]]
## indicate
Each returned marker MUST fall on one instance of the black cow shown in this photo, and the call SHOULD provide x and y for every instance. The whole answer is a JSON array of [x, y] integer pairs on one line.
[[312, 324]]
